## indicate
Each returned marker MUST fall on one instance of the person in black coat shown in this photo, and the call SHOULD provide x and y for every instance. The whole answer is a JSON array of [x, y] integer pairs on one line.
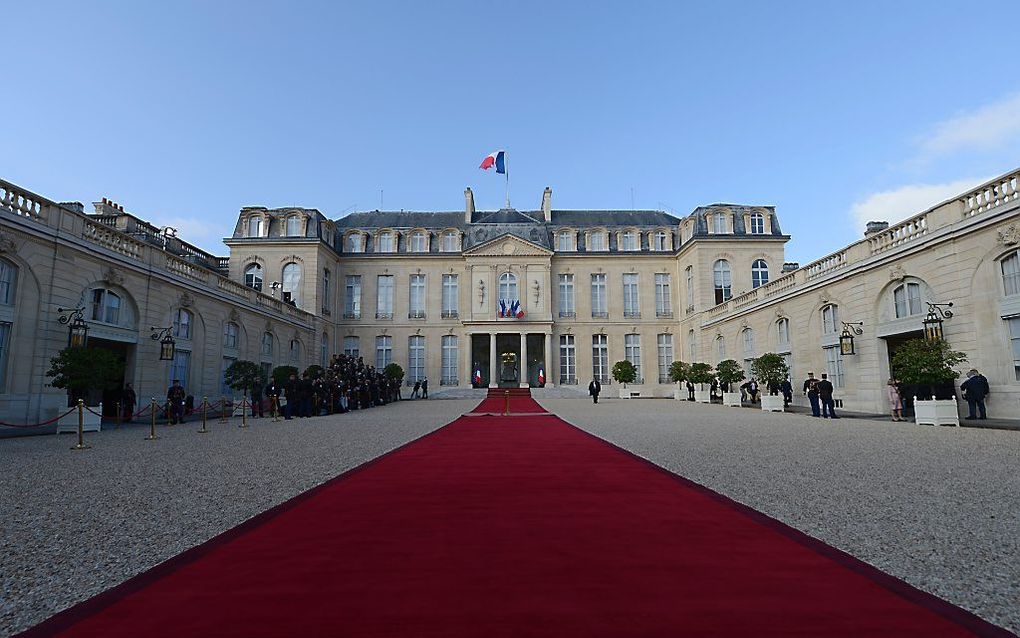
[[272, 392], [128, 400], [291, 391], [256, 399], [975, 389], [593, 389], [787, 389]]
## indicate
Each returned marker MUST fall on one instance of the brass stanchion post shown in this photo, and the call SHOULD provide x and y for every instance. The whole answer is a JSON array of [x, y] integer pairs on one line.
[[81, 427], [244, 412], [223, 409], [205, 415], [506, 405], [274, 407], [152, 427], [117, 421]]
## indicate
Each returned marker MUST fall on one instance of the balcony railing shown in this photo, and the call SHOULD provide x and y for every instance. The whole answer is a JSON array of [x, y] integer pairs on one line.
[[599, 315], [568, 380], [449, 314], [665, 379], [567, 314], [632, 314], [356, 315], [667, 314], [384, 315], [420, 314]]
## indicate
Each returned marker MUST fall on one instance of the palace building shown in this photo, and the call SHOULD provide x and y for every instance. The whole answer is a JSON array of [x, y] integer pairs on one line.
[[471, 298]]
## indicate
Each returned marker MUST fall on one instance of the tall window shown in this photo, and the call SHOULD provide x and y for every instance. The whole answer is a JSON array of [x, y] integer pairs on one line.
[[327, 291], [664, 346], [418, 244], [834, 366], [225, 389], [267, 345], [830, 319], [783, 333], [663, 299], [254, 226], [324, 350], [383, 351], [759, 273], [568, 360], [508, 287], [630, 241], [631, 305], [1011, 274], [566, 296], [352, 297], [659, 241], [386, 243], [449, 360], [5, 339], [355, 243], [719, 223], [292, 284], [597, 241], [182, 324], [1014, 342], [416, 297], [180, 368], [748, 336], [295, 351], [230, 331], [450, 242], [600, 358], [907, 300], [564, 241], [8, 275], [722, 281], [632, 352], [757, 224], [689, 275], [451, 297], [384, 297], [720, 347], [352, 346], [692, 346], [293, 226], [416, 358], [253, 276], [599, 306], [106, 306]]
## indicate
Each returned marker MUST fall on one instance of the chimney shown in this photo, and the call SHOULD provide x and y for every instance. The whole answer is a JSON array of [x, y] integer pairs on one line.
[[547, 205], [77, 207], [469, 205], [875, 227], [790, 266]]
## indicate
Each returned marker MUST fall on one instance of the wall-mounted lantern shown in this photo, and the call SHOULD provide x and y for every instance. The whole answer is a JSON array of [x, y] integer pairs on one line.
[[846, 340]]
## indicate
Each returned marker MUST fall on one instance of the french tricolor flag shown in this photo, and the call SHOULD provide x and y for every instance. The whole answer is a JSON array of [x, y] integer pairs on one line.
[[497, 159]]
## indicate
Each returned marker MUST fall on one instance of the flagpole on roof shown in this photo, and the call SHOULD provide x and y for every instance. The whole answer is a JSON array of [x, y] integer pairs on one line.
[[507, 168]]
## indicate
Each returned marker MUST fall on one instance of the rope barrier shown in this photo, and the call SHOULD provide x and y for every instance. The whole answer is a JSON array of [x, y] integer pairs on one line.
[[38, 425]]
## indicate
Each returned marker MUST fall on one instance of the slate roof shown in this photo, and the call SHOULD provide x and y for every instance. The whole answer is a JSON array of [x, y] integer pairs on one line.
[[446, 219], [402, 219], [582, 218]]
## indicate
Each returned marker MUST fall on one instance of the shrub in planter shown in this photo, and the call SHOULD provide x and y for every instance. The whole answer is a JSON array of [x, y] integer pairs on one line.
[[281, 374], [624, 372], [701, 373], [770, 370], [927, 368], [243, 376], [82, 369], [679, 372], [729, 374], [314, 371], [394, 372]]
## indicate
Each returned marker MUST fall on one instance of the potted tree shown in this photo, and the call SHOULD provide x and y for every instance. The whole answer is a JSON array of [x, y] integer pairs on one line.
[[729, 374], [770, 370], [395, 373], [79, 370], [244, 375], [701, 373], [927, 367], [678, 373], [624, 372], [281, 374]]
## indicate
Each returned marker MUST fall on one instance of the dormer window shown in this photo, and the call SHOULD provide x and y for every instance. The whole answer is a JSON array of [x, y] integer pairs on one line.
[[659, 241], [385, 243], [565, 241], [597, 241], [355, 243], [293, 226], [757, 224], [451, 241], [719, 224], [417, 243], [255, 227], [629, 240]]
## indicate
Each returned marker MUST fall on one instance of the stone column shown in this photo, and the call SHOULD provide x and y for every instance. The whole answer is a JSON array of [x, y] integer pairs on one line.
[[548, 361], [467, 345], [524, 360], [493, 380]]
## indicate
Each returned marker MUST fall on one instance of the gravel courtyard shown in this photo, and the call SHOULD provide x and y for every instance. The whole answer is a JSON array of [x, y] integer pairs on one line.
[[936, 507], [939, 508]]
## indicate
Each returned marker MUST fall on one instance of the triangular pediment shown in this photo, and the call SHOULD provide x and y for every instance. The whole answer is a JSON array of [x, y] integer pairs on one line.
[[507, 245]]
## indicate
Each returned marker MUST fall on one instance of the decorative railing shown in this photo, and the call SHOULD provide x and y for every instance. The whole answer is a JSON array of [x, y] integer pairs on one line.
[[268, 302], [112, 239], [988, 196], [825, 265], [899, 234], [240, 290], [185, 269], [745, 299], [777, 286], [719, 310], [22, 202]]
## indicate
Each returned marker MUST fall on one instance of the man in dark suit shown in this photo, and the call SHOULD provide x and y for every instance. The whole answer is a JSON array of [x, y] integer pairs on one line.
[[975, 389], [825, 390], [593, 389]]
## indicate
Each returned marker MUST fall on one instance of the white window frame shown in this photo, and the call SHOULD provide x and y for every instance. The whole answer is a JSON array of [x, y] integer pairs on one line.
[[830, 319], [632, 352], [568, 360], [664, 352], [598, 241], [293, 227], [415, 358], [759, 273], [722, 281], [383, 352], [230, 333], [663, 295], [352, 346], [1010, 266], [387, 242], [352, 297], [907, 300], [834, 365], [450, 348], [417, 242], [631, 300], [184, 321], [254, 226], [567, 306], [629, 241], [659, 241], [599, 301], [564, 241], [451, 296], [757, 224], [783, 332], [291, 281], [384, 297], [254, 276], [747, 334], [450, 242], [416, 296], [600, 357]]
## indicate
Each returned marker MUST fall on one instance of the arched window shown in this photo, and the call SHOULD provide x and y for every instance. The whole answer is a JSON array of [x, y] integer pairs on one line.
[[759, 273], [355, 243], [295, 351], [722, 281], [1011, 274], [629, 240], [907, 300], [324, 350], [385, 243], [757, 224], [597, 240], [450, 242], [292, 284], [8, 279], [783, 332], [830, 319], [417, 243], [720, 347], [748, 335], [183, 324], [508, 286], [719, 224], [692, 347], [8, 282], [293, 226], [254, 226], [230, 332], [106, 306], [267, 345], [253, 276], [659, 241]]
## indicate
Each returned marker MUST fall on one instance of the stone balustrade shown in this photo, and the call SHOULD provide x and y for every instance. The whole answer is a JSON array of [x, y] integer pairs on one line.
[[777, 286], [114, 240], [907, 231], [185, 269], [745, 299], [988, 196], [825, 265], [22, 202]]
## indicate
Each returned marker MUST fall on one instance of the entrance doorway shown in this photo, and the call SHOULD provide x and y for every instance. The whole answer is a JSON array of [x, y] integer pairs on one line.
[[893, 343], [110, 397], [508, 360]]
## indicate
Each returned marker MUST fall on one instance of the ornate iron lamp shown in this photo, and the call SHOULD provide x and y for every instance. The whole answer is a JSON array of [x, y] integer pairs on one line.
[[937, 312], [77, 328], [167, 345], [846, 340]]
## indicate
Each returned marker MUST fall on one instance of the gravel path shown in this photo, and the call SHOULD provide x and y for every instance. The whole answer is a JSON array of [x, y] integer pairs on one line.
[[73, 524], [936, 507]]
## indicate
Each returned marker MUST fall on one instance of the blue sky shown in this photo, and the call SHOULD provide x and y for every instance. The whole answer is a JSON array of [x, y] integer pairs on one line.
[[834, 112]]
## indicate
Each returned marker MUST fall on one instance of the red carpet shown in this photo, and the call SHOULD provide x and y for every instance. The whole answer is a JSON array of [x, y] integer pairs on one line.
[[519, 526]]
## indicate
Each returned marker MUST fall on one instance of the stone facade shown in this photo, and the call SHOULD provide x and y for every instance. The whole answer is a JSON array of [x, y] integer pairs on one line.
[[462, 295]]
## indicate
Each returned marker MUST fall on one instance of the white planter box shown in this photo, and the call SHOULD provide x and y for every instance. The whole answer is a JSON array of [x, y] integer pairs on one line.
[[630, 393], [731, 399], [679, 392], [771, 403], [92, 422], [936, 412], [703, 396]]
